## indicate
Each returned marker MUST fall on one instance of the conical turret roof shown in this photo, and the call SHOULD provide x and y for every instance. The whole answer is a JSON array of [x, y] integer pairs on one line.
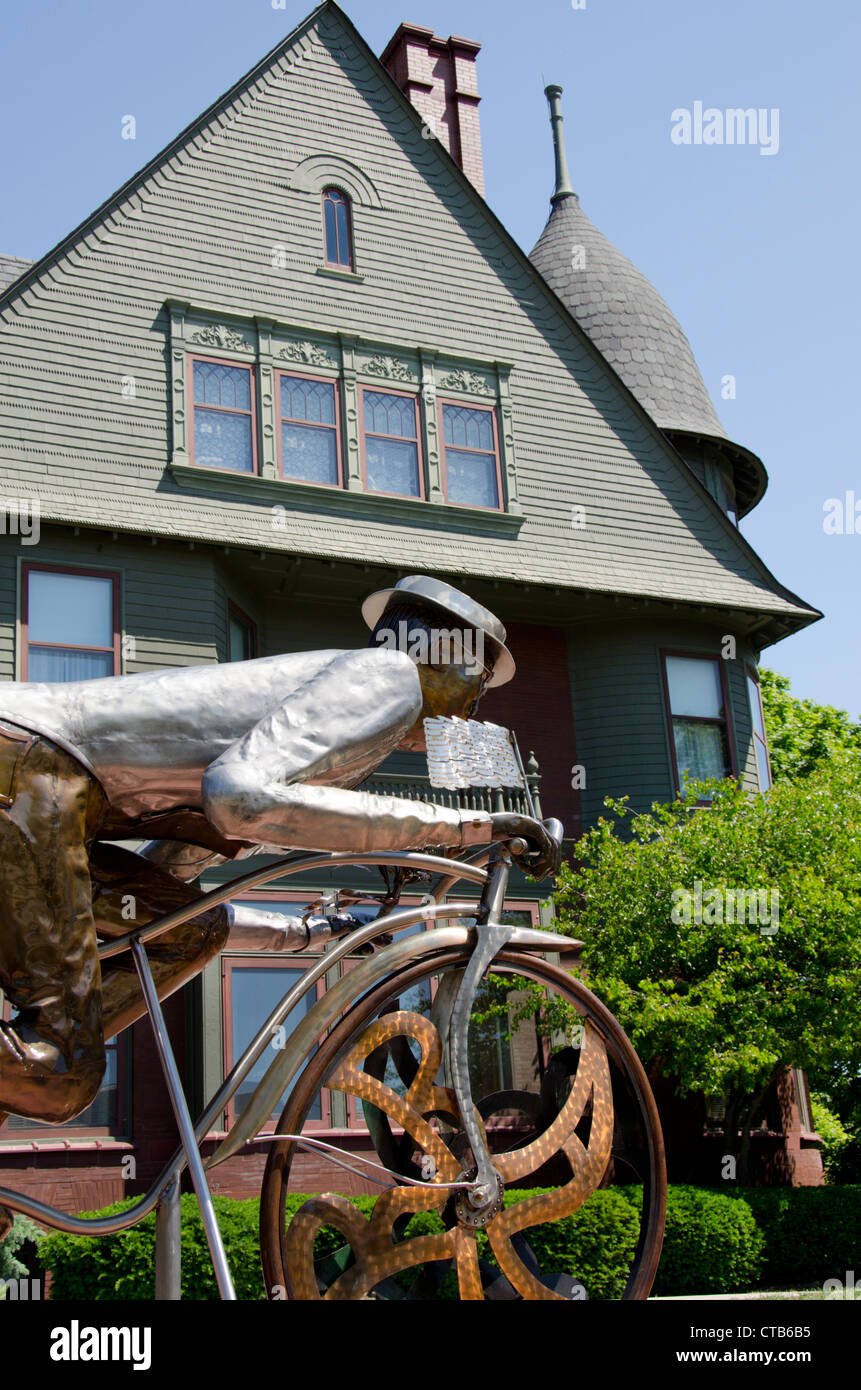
[[632, 325]]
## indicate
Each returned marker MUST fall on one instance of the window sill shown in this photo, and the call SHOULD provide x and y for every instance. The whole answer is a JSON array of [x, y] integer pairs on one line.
[[307, 497], [332, 273]]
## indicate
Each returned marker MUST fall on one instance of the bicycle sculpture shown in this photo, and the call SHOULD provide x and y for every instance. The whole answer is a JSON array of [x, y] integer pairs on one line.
[[220, 762]]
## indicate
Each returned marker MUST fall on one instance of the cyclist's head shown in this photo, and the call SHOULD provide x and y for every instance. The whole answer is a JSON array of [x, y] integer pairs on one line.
[[457, 645]]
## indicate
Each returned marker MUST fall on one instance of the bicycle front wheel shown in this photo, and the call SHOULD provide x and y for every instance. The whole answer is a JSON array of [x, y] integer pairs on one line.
[[571, 1116]]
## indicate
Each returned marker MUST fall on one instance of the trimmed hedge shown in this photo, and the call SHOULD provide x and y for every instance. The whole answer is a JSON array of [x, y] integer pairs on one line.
[[120, 1267], [811, 1233], [714, 1243]]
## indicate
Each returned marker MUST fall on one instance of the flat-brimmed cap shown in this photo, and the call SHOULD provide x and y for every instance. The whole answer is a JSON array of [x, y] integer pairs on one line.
[[433, 593]]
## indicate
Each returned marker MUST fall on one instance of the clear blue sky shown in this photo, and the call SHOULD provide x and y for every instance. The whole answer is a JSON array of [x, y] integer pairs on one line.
[[756, 254]]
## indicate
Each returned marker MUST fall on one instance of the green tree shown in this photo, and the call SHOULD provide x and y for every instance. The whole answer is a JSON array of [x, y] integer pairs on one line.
[[803, 735], [725, 1006]]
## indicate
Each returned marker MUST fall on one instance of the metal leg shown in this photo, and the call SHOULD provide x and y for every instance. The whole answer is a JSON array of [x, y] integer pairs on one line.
[[168, 1246], [185, 1126]]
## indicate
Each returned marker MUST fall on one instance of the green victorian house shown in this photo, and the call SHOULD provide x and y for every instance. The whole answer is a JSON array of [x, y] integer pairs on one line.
[[296, 357]]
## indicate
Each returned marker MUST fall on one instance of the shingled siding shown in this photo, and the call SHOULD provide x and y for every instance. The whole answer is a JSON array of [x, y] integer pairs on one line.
[[620, 715], [438, 274]]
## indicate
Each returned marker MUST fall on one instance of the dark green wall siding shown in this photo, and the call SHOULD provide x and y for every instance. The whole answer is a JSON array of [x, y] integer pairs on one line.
[[620, 716], [167, 597]]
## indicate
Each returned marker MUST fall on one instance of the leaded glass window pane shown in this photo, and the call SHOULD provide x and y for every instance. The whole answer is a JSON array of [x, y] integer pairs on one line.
[[470, 456], [471, 478], [215, 383], [387, 414], [310, 401], [309, 450], [331, 230], [336, 224], [392, 466], [222, 440], [392, 462], [468, 429]]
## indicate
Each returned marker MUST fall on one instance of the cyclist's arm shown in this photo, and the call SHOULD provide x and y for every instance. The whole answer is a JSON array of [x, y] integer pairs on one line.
[[341, 724]]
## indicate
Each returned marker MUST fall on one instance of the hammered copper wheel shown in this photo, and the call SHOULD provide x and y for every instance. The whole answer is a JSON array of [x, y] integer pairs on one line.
[[577, 1117]]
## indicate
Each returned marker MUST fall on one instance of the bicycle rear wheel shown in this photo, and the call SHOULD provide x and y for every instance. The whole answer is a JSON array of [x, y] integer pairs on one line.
[[577, 1115]]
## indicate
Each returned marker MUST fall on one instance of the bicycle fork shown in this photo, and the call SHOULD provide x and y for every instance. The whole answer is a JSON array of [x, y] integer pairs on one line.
[[492, 936]]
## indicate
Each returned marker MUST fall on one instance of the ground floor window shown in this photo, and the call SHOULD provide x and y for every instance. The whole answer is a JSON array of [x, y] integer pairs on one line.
[[70, 623]]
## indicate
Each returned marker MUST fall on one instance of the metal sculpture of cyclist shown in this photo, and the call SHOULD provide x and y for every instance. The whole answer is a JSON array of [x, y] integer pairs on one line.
[[210, 763]]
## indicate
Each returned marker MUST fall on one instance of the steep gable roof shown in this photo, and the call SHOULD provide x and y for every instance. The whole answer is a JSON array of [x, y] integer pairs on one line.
[[441, 274]]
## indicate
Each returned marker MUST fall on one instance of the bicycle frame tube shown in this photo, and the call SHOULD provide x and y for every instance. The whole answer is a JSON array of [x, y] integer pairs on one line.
[[289, 1059], [488, 939], [283, 869]]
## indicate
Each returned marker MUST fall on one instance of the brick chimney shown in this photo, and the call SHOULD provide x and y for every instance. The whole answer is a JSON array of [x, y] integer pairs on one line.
[[439, 77]]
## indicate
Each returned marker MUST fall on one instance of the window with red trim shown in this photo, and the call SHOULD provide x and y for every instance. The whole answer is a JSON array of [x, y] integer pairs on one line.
[[70, 624], [223, 431], [338, 229], [310, 434], [471, 469], [697, 707], [390, 440]]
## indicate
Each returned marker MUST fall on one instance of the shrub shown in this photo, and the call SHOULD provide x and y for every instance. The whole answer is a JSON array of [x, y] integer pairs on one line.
[[811, 1233], [10, 1266], [712, 1244], [121, 1266], [594, 1246]]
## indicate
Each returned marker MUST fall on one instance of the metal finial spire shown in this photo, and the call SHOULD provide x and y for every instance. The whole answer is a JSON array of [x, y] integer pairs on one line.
[[553, 94]]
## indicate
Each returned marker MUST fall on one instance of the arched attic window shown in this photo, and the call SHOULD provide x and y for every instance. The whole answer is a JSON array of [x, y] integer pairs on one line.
[[338, 229]]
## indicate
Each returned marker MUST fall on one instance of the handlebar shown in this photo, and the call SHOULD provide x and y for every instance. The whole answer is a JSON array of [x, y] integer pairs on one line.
[[555, 829]]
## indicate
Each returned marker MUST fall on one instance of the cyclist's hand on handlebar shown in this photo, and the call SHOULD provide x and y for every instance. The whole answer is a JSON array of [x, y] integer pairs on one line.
[[544, 842]]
